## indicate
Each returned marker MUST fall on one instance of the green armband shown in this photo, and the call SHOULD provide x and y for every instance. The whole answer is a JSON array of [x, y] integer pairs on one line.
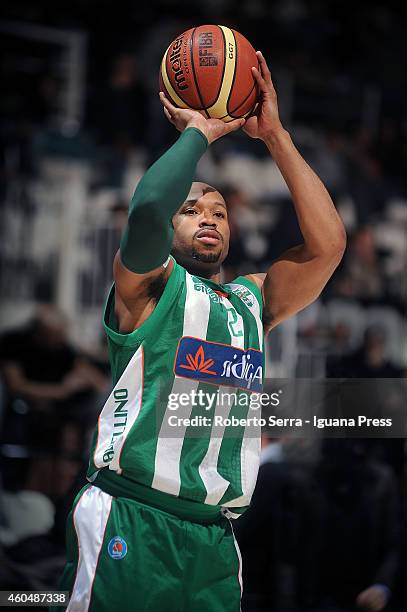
[[147, 239]]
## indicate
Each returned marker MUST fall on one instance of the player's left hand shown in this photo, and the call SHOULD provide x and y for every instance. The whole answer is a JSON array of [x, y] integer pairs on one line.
[[183, 118], [266, 121]]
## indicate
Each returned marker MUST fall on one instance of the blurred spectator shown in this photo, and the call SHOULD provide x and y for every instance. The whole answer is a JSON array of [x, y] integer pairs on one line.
[[361, 276], [117, 110], [355, 543], [103, 244], [367, 361], [286, 232], [328, 161], [53, 395], [381, 398], [389, 149], [117, 116], [247, 240], [365, 176], [118, 220], [270, 532]]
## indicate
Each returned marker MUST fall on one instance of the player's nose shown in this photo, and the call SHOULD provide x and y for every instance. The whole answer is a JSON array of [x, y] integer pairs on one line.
[[207, 221]]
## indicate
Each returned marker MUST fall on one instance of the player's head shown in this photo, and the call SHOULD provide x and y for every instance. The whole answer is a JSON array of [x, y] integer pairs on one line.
[[201, 230]]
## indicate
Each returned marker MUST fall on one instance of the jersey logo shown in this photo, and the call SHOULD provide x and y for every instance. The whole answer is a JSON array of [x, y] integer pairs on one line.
[[244, 294], [117, 548], [198, 363], [219, 364], [214, 296]]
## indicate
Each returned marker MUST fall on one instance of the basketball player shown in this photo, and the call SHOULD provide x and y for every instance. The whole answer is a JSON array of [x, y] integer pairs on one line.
[[151, 531]]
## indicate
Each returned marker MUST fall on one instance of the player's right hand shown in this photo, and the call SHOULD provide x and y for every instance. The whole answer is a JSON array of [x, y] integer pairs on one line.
[[184, 118], [265, 122]]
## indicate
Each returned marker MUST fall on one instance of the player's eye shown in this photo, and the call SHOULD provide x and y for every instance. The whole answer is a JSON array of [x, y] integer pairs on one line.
[[221, 215], [189, 211]]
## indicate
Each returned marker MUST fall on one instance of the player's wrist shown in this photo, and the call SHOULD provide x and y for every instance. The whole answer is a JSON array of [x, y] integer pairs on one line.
[[199, 132], [199, 124], [275, 137]]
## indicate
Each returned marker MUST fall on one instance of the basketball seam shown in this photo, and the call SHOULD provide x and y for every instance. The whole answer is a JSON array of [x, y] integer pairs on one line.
[[223, 68], [166, 92], [164, 67], [166, 72], [242, 102], [234, 75], [191, 51]]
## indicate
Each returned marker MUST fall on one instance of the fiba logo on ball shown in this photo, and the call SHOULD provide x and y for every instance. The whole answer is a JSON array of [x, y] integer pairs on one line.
[[117, 548]]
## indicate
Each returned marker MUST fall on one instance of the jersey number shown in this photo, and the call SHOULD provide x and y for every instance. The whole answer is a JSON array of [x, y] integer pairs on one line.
[[232, 320]]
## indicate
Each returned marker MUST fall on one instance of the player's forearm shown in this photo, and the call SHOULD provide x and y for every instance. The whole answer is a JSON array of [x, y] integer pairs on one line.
[[147, 239], [320, 224]]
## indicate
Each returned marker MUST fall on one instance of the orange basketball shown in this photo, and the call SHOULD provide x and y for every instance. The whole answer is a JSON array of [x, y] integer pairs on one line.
[[208, 68]]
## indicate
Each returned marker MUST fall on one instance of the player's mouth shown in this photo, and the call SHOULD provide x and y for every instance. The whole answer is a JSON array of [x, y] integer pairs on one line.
[[208, 236]]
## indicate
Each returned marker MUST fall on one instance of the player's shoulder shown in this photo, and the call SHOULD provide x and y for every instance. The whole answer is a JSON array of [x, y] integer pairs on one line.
[[248, 288], [256, 278], [128, 322]]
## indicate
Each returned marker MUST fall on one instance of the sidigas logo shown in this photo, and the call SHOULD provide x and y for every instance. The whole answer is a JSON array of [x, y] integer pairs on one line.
[[219, 364], [198, 363]]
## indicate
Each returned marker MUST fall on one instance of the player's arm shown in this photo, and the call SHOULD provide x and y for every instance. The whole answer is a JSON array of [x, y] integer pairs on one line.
[[147, 239], [298, 276]]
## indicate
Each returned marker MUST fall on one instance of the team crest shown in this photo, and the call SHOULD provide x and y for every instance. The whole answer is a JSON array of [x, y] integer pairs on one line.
[[117, 548], [244, 294]]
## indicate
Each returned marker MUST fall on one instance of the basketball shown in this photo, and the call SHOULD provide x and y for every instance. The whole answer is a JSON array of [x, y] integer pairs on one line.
[[208, 68]]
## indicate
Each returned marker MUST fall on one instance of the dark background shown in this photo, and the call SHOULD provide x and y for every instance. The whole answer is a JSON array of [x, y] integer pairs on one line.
[[80, 123]]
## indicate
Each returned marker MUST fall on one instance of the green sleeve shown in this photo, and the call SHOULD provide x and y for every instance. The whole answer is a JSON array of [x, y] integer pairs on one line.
[[147, 239]]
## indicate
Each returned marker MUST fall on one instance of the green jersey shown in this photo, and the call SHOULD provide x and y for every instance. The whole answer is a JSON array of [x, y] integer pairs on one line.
[[178, 381]]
